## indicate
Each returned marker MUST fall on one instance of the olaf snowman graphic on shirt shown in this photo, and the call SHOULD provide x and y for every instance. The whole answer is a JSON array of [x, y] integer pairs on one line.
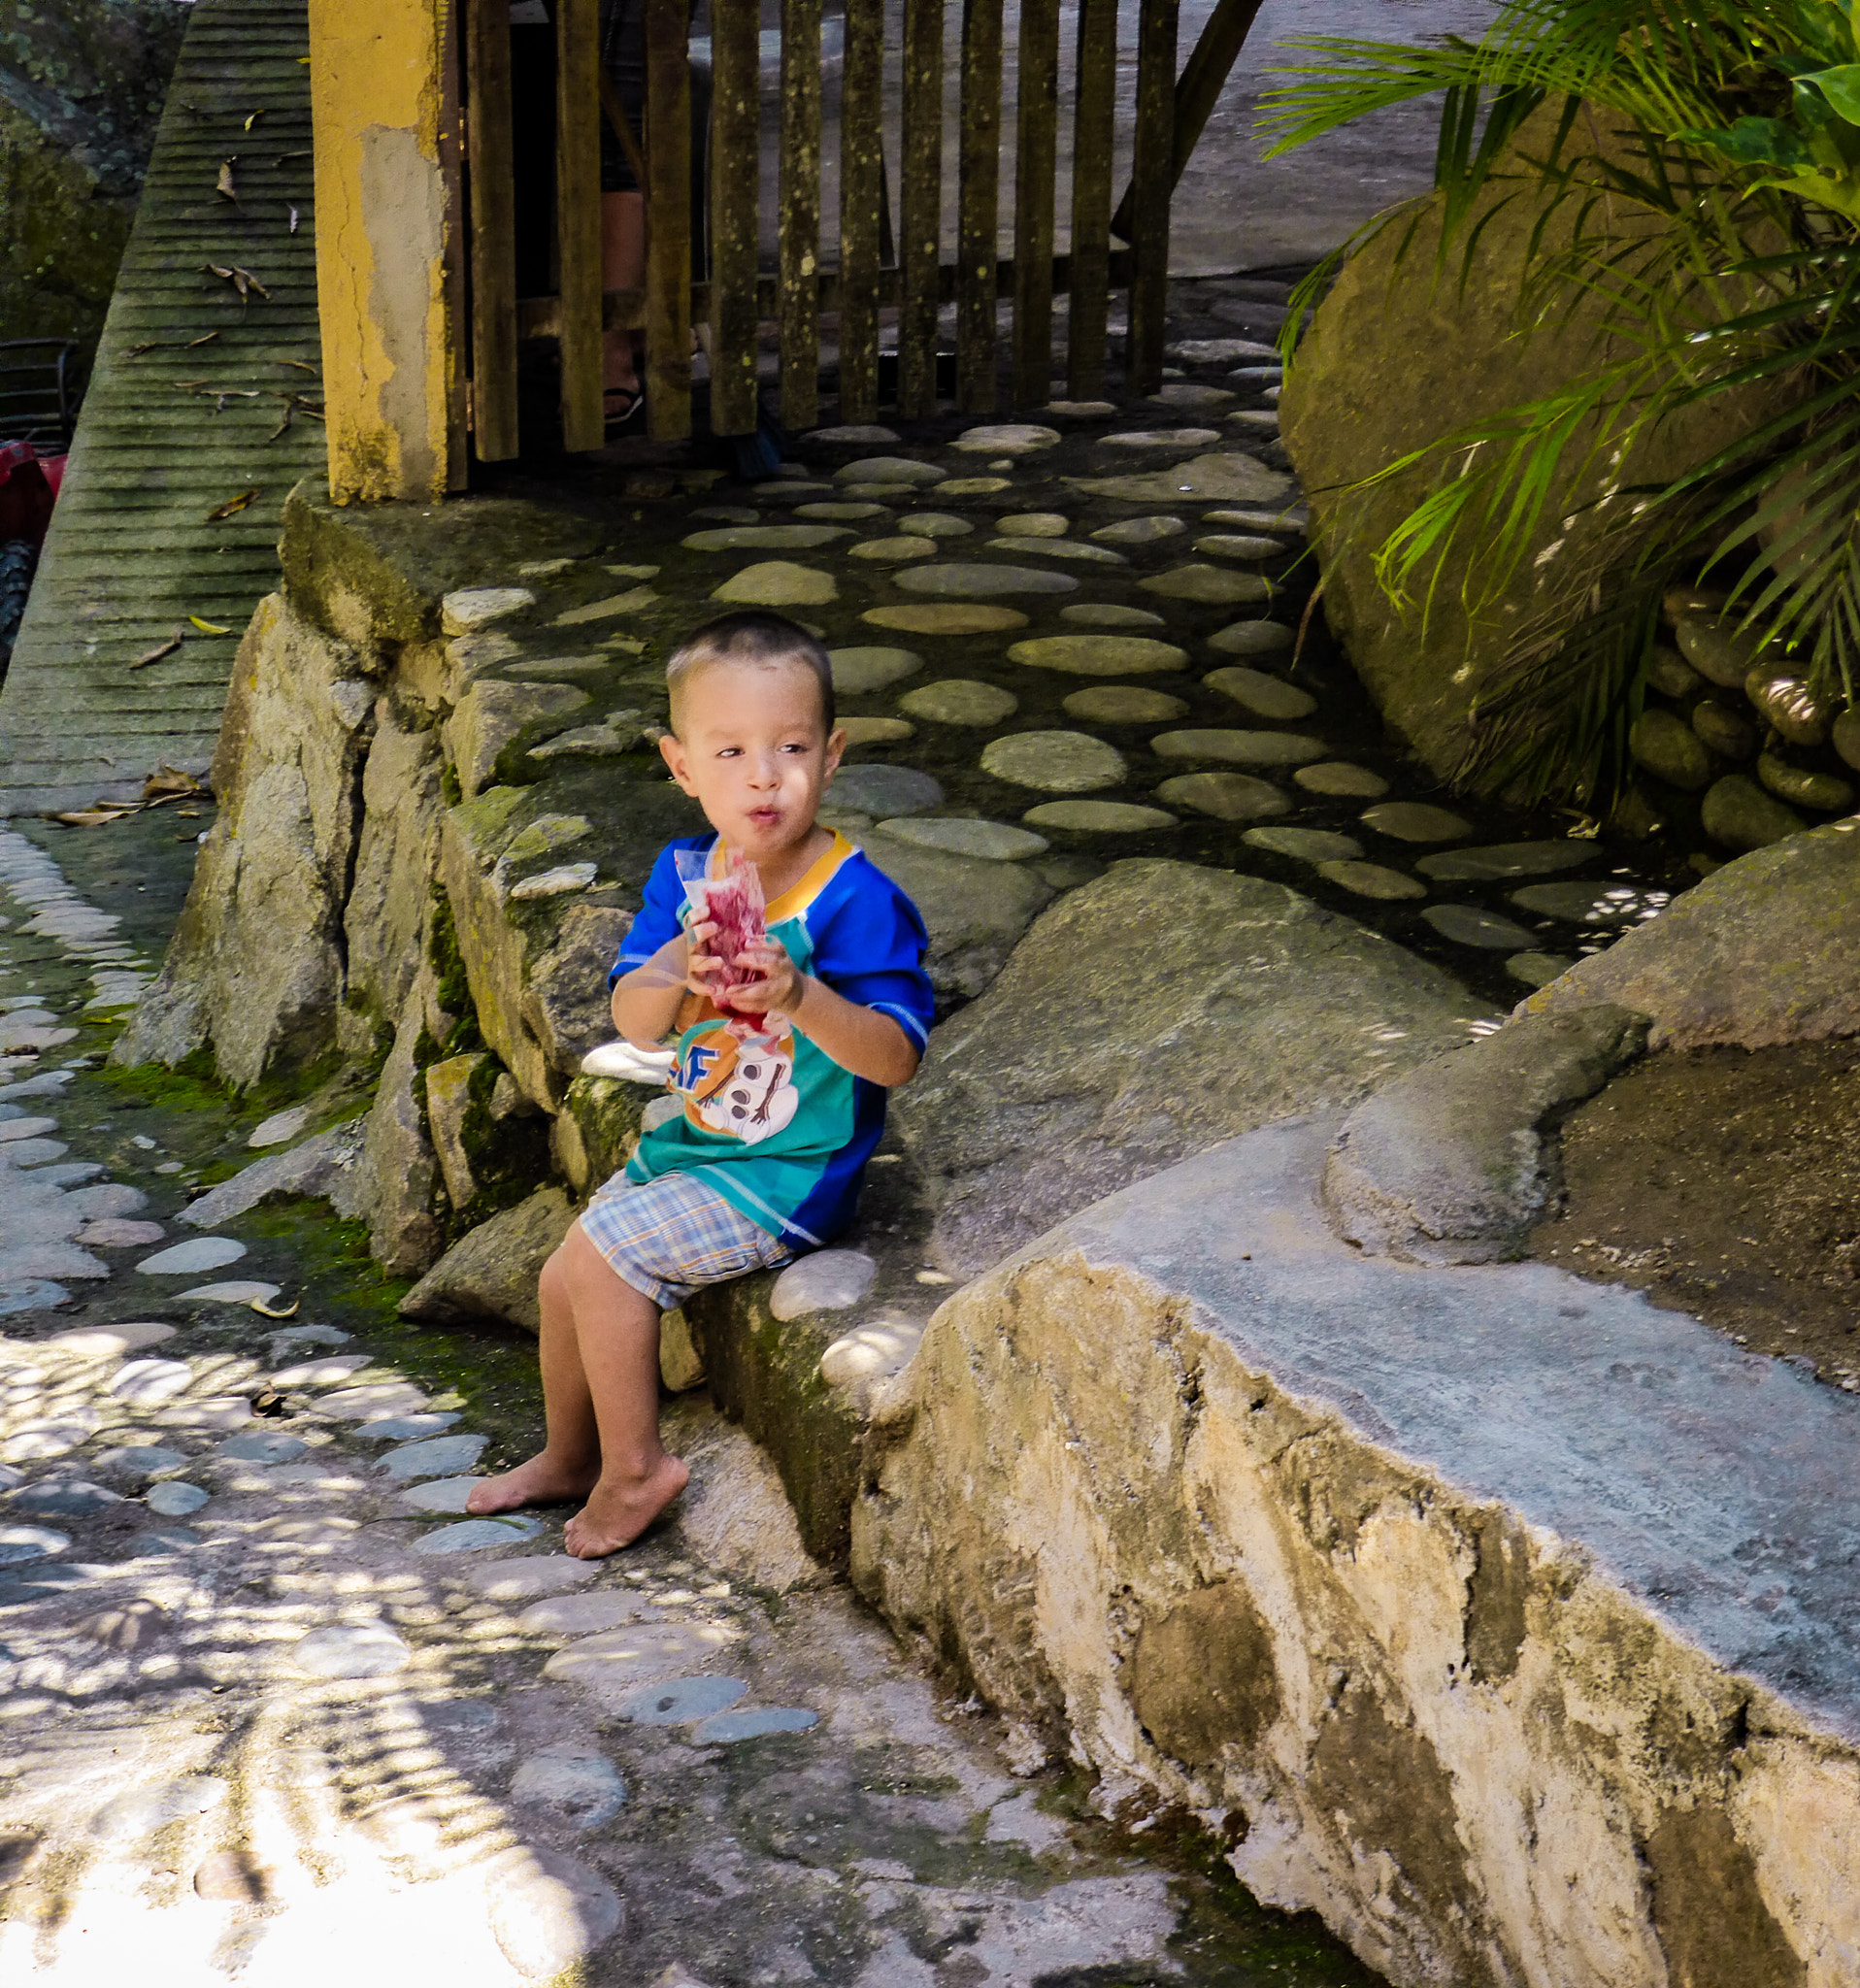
[[745, 1089]]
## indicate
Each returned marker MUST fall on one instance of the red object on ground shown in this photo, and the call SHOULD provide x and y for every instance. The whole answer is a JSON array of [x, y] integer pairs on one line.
[[29, 485]]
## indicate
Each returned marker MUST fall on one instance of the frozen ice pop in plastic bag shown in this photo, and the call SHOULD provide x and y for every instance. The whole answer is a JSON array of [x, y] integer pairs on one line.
[[734, 903]]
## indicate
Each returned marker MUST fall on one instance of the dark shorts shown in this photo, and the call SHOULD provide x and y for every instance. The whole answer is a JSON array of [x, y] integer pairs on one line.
[[623, 51]]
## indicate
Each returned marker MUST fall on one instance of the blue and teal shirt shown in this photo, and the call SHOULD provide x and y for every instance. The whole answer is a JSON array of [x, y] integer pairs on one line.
[[781, 1129]]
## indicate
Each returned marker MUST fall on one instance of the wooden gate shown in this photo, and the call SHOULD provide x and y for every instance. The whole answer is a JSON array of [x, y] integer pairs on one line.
[[732, 298]]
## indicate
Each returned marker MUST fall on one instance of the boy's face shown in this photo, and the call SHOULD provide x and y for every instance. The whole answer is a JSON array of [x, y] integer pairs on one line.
[[752, 750]]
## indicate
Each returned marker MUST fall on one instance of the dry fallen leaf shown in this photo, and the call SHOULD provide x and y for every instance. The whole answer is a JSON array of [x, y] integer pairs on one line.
[[264, 1310], [242, 279], [283, 424], [232, 507], [94, 818], [164, 648], [254, 117], [208, 627], [293, 220], [224, 184]]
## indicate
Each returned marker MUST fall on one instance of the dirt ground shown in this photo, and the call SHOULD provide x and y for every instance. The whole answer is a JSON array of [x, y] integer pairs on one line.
[[1726, 1182]]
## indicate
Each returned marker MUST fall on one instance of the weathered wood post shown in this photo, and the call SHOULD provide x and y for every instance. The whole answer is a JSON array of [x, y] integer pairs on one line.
[[385, 124]]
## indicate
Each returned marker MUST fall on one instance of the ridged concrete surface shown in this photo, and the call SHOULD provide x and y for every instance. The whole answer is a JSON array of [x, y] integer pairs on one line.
[[132, 552]]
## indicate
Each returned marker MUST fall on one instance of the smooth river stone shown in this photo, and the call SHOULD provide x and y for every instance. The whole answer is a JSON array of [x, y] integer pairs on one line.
[[1056, 762], [1294, 521], [972, 577], [1253, 639], [516, 1581], [1212, 586], [839, 514], [1591, 904], [875, 731], [878, 790], [1097, 817], [1266, 697], [1006, 438], [1238, 749], [1307, 845], [678, 1701], [1537, 969], [440, 1494], [1099, 655], [1109, 615], [143, 1810], [1465, 925], [765, 537], [727, 1727], [1124, 704], [1034, 524], [479, 1534], [1337, 777], [715, 514], [29, 1542], [172, 1499], [857, 671], [587, 1614], [1060, 548], [1161, 438], [975, 486], [188, 1259], [961, 701], [897, 552], [363, 1649], [620, 1660], [1219, 478], [1371, 879], [1228, 546], [1189, 393], [1506, 859], [438, 1456], [946, 617], [1226, 796], [1415, 821], [938, 524], [889, 469], [993, 842], [827, 1280], [1140, 531], [777, 583], [579, 1786]]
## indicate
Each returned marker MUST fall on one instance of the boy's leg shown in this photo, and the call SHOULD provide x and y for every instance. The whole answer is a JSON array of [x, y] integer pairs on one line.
[[600, 1359]]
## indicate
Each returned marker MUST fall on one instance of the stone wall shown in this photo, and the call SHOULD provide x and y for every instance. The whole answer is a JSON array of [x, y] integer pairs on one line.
[[1470, 1610]]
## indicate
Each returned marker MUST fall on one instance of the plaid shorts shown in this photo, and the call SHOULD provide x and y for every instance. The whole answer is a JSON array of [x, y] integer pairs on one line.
[[673, 1236]]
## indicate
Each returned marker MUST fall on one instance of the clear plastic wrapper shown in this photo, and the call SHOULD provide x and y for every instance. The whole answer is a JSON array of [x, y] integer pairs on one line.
[[734, 903]]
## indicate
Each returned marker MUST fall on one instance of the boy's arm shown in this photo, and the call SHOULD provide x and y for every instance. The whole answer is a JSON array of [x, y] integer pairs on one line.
[[646, 1000], [859, 1039]]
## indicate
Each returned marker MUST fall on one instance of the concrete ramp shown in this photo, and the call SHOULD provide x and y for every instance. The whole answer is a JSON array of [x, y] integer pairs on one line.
[[173, 430]]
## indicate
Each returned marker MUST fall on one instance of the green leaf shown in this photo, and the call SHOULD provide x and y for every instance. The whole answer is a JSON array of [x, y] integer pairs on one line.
[[1839, 88]]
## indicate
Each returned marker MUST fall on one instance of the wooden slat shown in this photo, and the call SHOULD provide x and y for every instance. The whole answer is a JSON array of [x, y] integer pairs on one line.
[[1094, 114], [1152, 174], [800, 213], [493, 225], [577, 217], [1035, 154], [861, 172], [625, 310], [1204, 76], [977, 207], [452, 167], [735, 186], [668, 207], [920, 211]]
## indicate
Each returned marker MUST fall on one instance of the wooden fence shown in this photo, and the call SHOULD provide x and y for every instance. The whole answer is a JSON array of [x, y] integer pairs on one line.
[[733, 299]]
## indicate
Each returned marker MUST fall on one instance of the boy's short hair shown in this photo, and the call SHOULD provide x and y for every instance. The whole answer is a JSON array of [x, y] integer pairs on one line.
[[755, 637]]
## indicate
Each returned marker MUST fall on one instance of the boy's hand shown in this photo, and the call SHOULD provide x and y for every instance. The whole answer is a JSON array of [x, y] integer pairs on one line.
[[779, 989], [701, 964]]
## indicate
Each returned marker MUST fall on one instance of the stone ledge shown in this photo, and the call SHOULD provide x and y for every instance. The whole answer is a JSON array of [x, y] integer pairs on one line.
[[1548, 1593]]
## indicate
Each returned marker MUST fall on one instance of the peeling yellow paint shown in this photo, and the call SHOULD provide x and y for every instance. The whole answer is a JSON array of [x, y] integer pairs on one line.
[[375, 99]]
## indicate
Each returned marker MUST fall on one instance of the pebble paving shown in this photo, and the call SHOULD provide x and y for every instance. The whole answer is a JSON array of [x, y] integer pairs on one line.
[[275, 1709], [241, 1563]]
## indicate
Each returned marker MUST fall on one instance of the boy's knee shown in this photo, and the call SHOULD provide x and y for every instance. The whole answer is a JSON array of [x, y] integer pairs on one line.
[[552, 1282]]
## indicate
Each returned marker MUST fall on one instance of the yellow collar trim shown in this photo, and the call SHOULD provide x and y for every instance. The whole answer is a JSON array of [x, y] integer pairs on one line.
[[800, 894]]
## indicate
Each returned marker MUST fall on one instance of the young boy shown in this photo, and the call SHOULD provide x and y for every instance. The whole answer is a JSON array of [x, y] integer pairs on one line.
[[765, 1159]]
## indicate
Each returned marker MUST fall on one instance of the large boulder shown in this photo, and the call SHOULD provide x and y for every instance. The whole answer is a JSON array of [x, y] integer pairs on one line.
[[1150, 1013], [1405, 351], [1763, 952]]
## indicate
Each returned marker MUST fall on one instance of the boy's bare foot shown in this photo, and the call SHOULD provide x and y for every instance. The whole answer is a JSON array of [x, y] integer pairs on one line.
[[539, 1482], [620, 1509]]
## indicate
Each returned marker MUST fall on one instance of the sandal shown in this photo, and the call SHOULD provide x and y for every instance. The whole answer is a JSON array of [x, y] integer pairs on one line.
[[619, 405]]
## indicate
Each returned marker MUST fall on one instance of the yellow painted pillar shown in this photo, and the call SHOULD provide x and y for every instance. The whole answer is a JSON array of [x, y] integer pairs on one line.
[[380, 116]]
